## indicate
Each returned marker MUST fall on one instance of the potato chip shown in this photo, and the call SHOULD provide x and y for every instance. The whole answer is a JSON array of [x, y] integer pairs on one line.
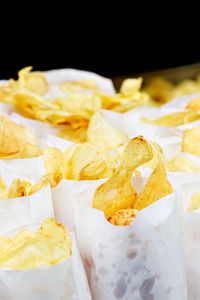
[[86, 162], [194, 104], [19, 188], [3, 190], [51, 229], [12, 136], [182, 164], [187, 87], [159, 89], [79, 104], [27, 250], [191, 141], [131, 85], [156, 187], [53, 161], [101, 134], [175, 119], [78, 86], [123, 217], [75, 135], [117, 192], [25, 151], [42, 183], [34, 82], [195, 202]]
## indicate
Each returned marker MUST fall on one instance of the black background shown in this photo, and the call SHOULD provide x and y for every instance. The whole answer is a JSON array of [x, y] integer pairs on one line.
[[112, 39]]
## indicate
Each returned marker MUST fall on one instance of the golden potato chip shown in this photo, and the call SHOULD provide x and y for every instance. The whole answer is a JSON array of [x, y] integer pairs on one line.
[[101, 134], [79, 104], [78, 86], [25, 151], [123, 217], [117, 192], [182, 164], [51, 229], [131, 85], [187, 87], [35, 253], [160, 89], [53, 161], [12, 136], [34, 82], [3, 190], [42, 183], [49, 245], [5, 244], [86, 162], [76, 135], [194, 103], [156, 187], [195, 202], [191, 141], [19, 188], [175, 119]]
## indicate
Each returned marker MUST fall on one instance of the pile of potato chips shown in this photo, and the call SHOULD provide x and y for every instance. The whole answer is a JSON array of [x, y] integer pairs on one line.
[[97, 149]]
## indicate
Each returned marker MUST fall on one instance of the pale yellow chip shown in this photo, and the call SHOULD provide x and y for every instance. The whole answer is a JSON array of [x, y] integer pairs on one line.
[[51, 229], [123, 217], [101, 134], [13, 136], [117, 192], [195, 202], [79, 104], [187, 87], [78, 86], [33, 81], [160, 89], [182, 164], [175, 119], [3, 190], [194, 104], [77, 135], [42, 183], [156, 187], [27, 250], [53, 161], [131, 85], [191, 141], [86, 162], [19, 188], [25, 151]]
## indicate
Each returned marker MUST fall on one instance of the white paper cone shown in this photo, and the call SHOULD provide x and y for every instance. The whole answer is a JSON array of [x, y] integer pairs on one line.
[[191, 238], [141, 261], [63, 281], [27, 168], [64, 195]]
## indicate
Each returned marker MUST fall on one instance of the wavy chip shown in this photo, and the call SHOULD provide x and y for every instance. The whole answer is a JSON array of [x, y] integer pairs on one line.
[[53, 161], [181, 164], [175, 119], [191, 141], [86, 162], [195, 202], [117, 192], [101, 134]]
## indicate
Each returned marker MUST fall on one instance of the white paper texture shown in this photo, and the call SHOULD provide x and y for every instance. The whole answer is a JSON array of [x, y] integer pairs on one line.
[[141, 261], [191, 238]]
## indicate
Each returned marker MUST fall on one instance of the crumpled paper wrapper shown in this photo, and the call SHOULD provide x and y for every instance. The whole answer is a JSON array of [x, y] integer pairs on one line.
[[180, 102], [55, 77], [133, 262], [191, 238], [65, 280]]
